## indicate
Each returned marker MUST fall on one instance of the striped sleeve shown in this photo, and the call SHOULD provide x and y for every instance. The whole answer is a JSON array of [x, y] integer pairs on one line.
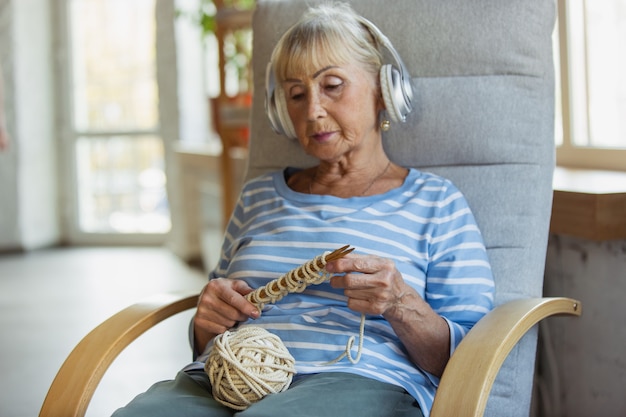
[[459, 282]]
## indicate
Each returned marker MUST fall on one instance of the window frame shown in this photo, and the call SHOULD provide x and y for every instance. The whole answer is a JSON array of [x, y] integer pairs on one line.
[[69, 135], [567, 153]]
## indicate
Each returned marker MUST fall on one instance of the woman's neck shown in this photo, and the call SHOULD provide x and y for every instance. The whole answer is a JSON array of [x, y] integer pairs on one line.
[[348, 181]]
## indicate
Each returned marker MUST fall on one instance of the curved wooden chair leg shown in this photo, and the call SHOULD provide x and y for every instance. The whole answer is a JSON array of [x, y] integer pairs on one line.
[[76, 381], [467, 380]]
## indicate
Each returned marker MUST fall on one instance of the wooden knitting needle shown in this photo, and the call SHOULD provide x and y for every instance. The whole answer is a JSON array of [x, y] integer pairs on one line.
[[273, 286]]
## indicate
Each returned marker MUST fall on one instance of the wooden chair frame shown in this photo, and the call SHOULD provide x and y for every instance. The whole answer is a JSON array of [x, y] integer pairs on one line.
[[475, 362]]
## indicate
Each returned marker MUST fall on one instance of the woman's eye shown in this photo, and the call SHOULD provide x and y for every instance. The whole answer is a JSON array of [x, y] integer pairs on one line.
[[296, 95], [333, 83], [332, 87]]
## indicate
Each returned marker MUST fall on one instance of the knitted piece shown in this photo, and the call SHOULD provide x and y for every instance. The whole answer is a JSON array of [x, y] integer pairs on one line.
[[297, 279]]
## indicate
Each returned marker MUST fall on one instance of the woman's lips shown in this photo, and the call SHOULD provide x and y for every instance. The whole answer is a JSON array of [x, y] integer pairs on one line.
[[322, 136]]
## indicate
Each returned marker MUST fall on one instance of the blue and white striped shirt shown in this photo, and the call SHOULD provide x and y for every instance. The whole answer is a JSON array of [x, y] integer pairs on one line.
[[425, 226]]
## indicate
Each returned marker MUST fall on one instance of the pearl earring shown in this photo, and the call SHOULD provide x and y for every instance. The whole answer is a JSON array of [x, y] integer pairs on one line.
[[385, 125]]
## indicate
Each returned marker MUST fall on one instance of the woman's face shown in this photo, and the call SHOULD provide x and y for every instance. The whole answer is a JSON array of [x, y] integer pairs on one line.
[[334, 110]]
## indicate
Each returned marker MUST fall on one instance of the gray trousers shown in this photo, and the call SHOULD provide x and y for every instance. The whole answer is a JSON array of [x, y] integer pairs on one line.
[[319, 395]]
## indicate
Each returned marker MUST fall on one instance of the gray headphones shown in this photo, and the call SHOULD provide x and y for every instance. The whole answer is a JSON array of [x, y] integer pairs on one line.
[[395, 84]]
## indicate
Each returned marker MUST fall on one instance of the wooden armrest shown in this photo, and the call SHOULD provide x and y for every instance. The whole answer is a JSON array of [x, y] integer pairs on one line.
[[76, 381], [476, 361], [467, 380]]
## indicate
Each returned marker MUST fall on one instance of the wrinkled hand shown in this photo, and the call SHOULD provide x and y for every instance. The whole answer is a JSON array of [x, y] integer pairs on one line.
[[372, 284], [221, 305]]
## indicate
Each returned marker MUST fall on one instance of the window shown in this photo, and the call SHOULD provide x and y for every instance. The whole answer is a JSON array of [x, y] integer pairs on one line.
[[593, 87], [115, 149]]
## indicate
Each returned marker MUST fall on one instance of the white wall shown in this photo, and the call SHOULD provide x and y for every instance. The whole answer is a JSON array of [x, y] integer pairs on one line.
[[28, 184], [9, 230]]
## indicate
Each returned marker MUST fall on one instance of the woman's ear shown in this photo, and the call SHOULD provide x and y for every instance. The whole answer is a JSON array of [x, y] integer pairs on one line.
[[380, 101]]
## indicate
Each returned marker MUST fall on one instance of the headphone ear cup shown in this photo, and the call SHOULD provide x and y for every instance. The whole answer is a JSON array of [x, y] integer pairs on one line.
[[282, 115], [275, 106], [270, 100], [270, 110], [390, 90]]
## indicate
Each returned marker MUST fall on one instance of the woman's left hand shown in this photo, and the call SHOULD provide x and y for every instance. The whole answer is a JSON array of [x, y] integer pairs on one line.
[[374, 285]]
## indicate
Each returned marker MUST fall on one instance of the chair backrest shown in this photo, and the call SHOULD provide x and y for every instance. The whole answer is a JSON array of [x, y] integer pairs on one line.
[[483, 117]]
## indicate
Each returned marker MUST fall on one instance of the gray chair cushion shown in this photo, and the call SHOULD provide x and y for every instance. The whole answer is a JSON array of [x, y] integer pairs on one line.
[[484, 118]]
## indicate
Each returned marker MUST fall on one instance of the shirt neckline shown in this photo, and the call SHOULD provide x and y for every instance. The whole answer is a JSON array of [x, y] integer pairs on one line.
[[280, 183]]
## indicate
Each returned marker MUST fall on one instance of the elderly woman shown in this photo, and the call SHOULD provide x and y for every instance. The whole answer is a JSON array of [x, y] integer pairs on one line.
[[420, 272]]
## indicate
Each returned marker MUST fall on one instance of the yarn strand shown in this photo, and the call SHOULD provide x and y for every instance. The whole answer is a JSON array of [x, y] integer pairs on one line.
[[348, 351]]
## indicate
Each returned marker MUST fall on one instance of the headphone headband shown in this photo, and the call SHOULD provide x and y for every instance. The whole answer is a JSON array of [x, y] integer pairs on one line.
[[405, 78]]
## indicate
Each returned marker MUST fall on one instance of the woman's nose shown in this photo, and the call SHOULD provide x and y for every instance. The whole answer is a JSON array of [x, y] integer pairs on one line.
[[316, 108]]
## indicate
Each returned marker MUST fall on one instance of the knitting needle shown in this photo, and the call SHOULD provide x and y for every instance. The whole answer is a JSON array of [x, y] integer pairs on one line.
[[274, 285]]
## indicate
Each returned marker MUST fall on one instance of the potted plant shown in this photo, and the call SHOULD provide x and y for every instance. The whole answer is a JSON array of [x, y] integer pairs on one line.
[[229, 21]]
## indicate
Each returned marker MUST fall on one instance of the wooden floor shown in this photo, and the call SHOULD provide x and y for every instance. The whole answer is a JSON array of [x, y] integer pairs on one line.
[[49, 299]]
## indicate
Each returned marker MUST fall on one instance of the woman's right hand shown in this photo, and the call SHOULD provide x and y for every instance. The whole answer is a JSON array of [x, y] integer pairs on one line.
[[221, 305]]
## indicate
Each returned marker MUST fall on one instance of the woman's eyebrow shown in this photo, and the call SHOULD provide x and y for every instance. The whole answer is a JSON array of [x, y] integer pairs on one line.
[[315, 74]]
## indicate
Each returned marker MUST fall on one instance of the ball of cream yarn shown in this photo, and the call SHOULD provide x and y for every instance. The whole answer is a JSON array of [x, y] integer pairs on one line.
[[247, 364]]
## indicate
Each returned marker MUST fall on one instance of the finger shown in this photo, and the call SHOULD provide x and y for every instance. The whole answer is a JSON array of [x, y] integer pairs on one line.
[[242, 303], [213, 325], [224, 298], [365, 306], [366, 264], [357, 282], [215, 310]]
